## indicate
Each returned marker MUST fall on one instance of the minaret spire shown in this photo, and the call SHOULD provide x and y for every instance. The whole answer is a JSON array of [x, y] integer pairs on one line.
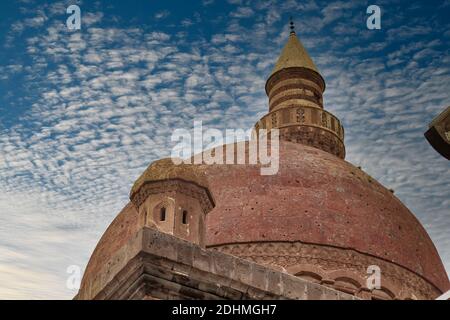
[[294, 54], [292, 26], [295, 90]]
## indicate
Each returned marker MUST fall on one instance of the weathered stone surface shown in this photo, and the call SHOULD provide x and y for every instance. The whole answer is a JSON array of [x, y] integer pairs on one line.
[[438, 133], [153, 273], [317, 201]]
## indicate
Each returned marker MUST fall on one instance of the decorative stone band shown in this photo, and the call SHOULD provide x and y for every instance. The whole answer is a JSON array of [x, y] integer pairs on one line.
[[292, 83], [188, 188], [307, 125], [295, 73], [307, 86], [293, 90], [155, 265], [295, 96], [338, 268]]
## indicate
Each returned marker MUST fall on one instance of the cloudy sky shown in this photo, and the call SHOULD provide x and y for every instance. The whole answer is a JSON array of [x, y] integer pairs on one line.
[[82, 113]]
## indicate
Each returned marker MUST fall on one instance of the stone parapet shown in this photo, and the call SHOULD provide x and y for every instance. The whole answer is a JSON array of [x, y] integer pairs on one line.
[[308, 125], [174, 185], [154, 265], [341, 269]]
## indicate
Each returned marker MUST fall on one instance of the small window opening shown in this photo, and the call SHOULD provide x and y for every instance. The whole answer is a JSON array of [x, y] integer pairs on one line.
[[185, 217], [162, 214]]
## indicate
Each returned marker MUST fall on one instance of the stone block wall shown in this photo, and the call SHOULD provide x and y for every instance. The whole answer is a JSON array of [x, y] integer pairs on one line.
[[155, 265]]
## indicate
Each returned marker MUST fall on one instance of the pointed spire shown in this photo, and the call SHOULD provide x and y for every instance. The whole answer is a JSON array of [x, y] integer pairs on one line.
[[292, 26], [295, 90], [294, 54]]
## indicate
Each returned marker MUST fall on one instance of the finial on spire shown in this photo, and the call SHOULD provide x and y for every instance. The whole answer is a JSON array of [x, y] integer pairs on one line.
[[292, 26]]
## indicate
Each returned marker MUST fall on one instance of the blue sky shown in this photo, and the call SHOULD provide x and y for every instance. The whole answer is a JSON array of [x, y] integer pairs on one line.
[[82, 113]]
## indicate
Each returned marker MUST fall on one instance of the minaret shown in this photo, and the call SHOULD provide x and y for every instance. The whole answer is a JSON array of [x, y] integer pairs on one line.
[[295, 90]]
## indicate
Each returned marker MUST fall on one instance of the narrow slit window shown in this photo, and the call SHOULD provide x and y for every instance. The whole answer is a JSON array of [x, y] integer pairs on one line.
[[162, 214], [185, 217]]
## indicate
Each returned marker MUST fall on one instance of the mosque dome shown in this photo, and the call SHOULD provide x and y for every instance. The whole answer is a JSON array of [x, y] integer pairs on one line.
[[319, 217], [324, 219]]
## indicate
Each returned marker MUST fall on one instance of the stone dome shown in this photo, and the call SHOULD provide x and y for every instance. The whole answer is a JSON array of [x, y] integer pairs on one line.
[[318, 199], [319, 217], [317, 206]]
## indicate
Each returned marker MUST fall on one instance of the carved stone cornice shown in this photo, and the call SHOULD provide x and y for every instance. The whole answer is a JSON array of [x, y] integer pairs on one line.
[[308, 125], [174, 185], [331, 263]]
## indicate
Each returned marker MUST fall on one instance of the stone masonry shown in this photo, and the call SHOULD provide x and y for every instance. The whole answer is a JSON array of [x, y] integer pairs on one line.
[[155, 265]]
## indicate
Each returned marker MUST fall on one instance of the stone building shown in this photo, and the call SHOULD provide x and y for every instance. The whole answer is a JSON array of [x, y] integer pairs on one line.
[[227, 232], [438, 133]]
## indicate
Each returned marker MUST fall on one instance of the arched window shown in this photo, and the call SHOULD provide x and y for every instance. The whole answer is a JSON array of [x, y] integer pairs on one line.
[[309, 276], [346, 284], [185, 217], [382, 294], [162, 214]]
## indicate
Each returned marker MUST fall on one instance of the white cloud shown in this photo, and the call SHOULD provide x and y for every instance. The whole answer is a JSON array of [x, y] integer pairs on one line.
[[162, 14], [242, 12]]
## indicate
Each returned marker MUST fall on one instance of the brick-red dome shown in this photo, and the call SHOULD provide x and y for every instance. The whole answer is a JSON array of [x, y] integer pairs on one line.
[[335, 219], [320, 199], [316, 198]]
